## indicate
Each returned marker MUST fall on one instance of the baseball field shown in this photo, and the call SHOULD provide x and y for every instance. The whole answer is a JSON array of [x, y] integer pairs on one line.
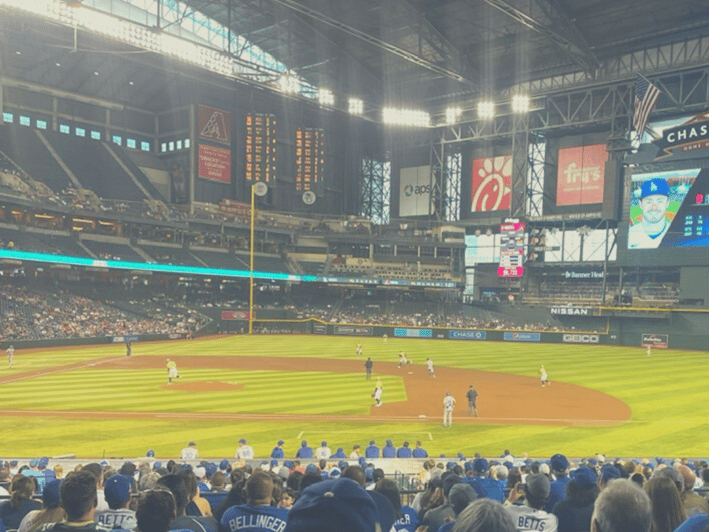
[[96, 402]]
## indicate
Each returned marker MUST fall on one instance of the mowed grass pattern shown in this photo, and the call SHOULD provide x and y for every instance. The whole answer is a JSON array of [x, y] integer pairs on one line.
[[669, 409]]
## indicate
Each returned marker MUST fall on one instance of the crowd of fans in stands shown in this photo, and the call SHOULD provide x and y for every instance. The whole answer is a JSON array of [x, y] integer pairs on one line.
[[27, 315], [335, 494]]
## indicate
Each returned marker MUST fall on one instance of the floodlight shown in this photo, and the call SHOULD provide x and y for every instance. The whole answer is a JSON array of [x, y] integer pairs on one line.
[[452, 115], [520, 103], [356, 106], [486, 110], [289, 84], [326, 97], [405, 117]]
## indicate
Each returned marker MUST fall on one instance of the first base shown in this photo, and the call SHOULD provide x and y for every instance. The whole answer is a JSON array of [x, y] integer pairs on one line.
[[422, 415]]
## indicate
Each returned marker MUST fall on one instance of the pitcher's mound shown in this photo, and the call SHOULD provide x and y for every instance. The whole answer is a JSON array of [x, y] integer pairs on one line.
[[203, 386]]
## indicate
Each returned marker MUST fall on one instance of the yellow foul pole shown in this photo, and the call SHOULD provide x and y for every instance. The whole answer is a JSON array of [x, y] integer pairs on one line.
[[251, 262]]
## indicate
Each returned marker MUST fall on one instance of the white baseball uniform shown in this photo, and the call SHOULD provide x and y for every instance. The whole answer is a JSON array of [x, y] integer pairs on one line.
[[448, 404]]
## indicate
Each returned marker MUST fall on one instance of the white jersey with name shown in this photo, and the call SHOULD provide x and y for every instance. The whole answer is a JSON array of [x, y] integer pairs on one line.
[[122, 518], [189, 453], [529, 519], [323, 453], [245, 452]]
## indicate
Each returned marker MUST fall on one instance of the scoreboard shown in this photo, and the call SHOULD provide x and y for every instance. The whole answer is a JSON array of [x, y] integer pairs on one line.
[[511, 249]]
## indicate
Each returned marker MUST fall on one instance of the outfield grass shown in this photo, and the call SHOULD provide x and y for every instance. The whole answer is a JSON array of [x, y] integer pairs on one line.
[[669, 412]]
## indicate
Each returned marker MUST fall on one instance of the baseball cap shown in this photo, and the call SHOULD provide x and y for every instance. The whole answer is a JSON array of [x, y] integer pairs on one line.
[[288, 464], [334, 505], [609, 472], [559, 462], [323, 444], [468, 466], [43, 462], [480, 465], [211, 469], [280, 442], [371, 442], [538, 486], [389, 442], [191, 444], [157, 465], [304, 443], [654, 186], [386, 515], [460, 495], [199, 472], [584, 477], [150, 453], [50, 494], [224, 465], [116, 490], [450, 465], [242, 440], [335, 472]]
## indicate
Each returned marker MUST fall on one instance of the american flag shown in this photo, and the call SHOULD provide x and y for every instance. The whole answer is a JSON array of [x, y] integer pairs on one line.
[[646, 95]]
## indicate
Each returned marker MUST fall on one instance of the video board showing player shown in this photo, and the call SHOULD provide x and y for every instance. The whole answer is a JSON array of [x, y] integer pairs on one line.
[[669, 209]]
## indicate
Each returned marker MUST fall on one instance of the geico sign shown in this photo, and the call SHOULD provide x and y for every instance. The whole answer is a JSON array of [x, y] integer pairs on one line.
[[411, 190], [581, 338]]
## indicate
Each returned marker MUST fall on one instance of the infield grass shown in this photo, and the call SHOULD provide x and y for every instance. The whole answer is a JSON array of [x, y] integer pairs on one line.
[[670, 416]]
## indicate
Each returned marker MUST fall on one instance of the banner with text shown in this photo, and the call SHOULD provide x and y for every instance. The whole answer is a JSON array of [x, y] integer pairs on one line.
[[580, 174], [415, 191], [655, 340], [214, 163]]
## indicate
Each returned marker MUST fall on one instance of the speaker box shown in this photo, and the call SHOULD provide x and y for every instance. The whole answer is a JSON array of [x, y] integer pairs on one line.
[[612, 190]]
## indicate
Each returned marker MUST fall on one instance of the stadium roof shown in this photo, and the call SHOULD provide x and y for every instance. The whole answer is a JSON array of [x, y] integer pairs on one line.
[[404, 53]]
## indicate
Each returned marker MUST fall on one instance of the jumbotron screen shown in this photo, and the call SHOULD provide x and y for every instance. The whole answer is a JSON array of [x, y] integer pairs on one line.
[[669, 209]]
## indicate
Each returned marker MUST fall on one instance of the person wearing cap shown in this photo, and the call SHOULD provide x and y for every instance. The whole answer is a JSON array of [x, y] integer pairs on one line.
[[404, 451], [389, 451], [258, 514], [117, 491], [244, 452], [575, 510], [654, 200], [190, 452], [559, 466], [172, 371], [323, 452], [278, 453], [337, 505], [461, 495], [10, 355], [419, 451], [372, 451], [543, 377], [448, 404], [531, 516], [354, 455], [340, 453], [377, 394], [608, 472], [472, 396], [305, 451], [368, 368], [483, 484]]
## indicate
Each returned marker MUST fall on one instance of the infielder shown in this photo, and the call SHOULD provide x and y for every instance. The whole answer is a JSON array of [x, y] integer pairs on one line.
[[472, 396], [385, 338], [10, 355], [378, 394], [368, 368], [544, 377], [403, 359], [358, 351], [448, 404], [171, 371], [429, 365]]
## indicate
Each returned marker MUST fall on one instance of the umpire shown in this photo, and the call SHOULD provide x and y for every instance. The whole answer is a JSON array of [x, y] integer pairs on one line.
[[472, 396]]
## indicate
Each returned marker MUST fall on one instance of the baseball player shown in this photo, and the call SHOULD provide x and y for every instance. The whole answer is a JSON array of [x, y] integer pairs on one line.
[[378, 394], [385, 338], [429, 365], [10, 355], [448, 404], [190, 452], [649, 351], [171, 371], [403, 359], [544, 377], [358, 351], [129, 348], [244, 452], [472, 396]]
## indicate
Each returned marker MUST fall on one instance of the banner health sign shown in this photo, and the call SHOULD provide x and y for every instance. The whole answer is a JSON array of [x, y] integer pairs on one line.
[[522, 337], [467, 335], [414, 333]]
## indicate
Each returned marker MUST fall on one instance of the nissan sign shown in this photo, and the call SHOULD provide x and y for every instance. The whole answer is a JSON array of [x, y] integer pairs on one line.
[[571, 311]]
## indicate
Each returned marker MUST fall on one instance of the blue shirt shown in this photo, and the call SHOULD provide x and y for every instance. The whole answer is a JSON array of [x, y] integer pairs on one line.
[[557, 493], [304, 452], [403, 452], [409, 521], [492, 489], [389, 452], [371, 452], [277, 453], [420, 452], [254, 519]]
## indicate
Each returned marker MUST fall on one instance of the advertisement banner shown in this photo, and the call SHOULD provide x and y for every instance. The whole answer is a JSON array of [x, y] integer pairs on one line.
[[522, 337], [580, 174], [655, 340], [214, 124], [580, 338], [467, 335], [571, 311], [214, 163], [415, 191], [592, 274], [491, 184], [352, 330], [122, 339], [319, 328], [413, 333], [235, 315]]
